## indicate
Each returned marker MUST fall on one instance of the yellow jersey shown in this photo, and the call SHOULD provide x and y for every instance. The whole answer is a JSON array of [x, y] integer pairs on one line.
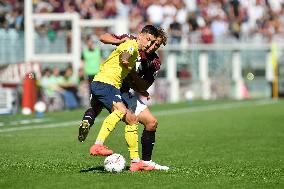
[[112, 71]]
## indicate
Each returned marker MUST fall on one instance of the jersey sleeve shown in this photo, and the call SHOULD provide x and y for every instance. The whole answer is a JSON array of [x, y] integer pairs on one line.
[[150, 65], [156, 62], [150, 76], [129, 36]]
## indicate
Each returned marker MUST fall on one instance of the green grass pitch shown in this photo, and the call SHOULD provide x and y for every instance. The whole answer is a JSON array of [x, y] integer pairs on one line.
[[216, 144]]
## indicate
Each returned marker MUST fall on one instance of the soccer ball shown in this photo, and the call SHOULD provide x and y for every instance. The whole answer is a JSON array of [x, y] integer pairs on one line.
[[40, 106], [114, 163]]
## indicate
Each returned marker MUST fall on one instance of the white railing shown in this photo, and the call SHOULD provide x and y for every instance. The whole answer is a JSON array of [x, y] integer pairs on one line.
[[120, 26]]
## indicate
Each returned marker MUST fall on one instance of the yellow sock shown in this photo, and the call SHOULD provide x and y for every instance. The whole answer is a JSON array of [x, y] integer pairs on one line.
[[131, 137], [109, 124]]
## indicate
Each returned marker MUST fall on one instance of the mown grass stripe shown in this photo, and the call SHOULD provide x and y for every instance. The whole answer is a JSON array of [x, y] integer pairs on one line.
[[156, 113]]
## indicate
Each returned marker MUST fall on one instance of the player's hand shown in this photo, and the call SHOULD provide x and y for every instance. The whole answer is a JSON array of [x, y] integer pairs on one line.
[[133, 73]]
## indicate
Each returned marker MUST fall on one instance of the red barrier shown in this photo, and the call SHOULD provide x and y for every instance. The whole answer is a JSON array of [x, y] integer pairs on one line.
[[29, 94]]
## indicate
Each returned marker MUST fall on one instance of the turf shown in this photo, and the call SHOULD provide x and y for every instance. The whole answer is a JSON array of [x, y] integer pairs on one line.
[[219, 144]]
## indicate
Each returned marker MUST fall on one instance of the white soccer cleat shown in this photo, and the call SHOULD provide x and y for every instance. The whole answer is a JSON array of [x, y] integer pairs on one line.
[[157, 166]]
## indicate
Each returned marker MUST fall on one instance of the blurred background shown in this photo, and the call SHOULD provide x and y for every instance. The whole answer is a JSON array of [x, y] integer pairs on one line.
[[217, 49]]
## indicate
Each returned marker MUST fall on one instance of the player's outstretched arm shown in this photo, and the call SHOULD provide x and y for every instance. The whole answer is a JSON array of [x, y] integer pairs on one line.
[[109, 38]]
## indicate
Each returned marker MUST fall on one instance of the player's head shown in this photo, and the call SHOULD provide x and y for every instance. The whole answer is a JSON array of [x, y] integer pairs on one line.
[[147, 37], [161, 39], [89, 41]]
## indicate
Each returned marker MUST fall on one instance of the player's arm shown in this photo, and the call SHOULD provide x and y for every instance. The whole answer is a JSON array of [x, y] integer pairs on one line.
[[141, 84], [124, 59], [109, 38]]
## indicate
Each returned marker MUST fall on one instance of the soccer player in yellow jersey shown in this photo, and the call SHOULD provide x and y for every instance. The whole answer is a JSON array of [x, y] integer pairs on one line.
[[149, 65], [106, 84]]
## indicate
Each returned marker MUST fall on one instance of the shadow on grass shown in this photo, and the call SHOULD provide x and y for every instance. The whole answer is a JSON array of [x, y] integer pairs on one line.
[[98, 169], [93, 169]]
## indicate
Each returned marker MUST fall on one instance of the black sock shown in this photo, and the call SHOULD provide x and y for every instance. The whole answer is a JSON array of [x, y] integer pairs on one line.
[[89, 116], [147, 141]]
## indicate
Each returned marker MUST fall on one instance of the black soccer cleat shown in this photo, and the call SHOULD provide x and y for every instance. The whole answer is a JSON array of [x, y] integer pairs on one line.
[[83, 130]]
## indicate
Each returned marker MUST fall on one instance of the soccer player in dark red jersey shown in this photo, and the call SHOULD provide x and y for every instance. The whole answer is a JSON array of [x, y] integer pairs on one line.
[[139, 80]]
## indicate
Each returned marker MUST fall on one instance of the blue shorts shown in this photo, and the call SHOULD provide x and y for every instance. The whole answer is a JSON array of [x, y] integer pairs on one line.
[[106, 94], [133, 102]]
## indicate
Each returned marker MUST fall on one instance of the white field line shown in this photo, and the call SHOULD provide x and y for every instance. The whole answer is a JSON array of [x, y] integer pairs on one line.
[[214, 107], [27, 121], [157, 113]]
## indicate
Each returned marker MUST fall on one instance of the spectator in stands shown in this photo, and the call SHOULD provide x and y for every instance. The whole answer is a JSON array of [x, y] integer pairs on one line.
[[182, 11], [2, 18], [155, 14], [44, 83], [136, 20], [206, 34], [43, 7], [175, 31], [57, 6], [59, 89], [50, 91], [110, 9], [183, 72], [241, 20], [92, 58], [19, 20], [219, 28], [69, 85], [169, 11], [123, 8], [99, 9], [192, 22], [86, 9]]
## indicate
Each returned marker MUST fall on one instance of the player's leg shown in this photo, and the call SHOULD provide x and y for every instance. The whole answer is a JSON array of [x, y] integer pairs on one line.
[[146, 118], [119, 110], [148, 137], [131, 128], [131, 135], [107, 127], [110, 97], [89, 119]]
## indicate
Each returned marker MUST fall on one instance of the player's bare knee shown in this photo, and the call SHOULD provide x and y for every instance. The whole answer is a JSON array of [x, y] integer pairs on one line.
[[123, 110], [120, 107], [131, 118], [152, 125]]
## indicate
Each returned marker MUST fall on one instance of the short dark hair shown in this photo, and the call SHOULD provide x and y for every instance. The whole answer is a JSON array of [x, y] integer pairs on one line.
[[46, 70], [163, 35], [151, 30]]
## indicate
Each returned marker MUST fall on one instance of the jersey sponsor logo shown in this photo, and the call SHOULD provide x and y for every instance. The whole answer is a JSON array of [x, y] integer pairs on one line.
[[131, 49]]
